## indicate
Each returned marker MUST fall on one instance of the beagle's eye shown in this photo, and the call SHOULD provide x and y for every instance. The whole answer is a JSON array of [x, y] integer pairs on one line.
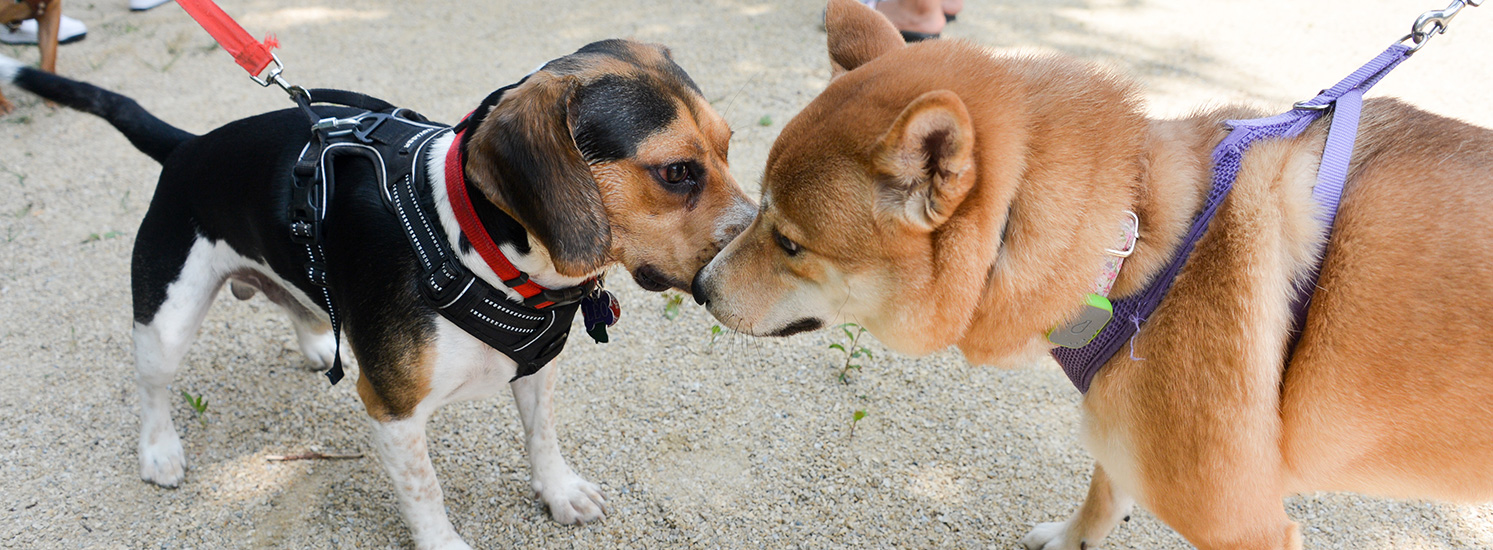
[[788, 246], [675, 173]]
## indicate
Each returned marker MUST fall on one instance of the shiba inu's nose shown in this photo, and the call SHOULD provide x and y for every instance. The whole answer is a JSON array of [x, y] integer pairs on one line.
[[697, 290]]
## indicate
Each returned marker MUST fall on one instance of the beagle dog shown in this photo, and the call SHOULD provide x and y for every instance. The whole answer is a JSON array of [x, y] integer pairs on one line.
[[609, 155]]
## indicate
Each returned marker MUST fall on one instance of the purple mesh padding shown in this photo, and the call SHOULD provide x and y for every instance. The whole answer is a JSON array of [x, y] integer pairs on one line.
[[1082, 364]]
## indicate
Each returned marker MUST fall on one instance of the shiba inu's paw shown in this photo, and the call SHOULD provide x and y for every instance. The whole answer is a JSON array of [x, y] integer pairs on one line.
[[1051, 536]]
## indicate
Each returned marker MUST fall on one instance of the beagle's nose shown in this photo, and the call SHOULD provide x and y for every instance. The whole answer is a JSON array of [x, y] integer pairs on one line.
[[697, 290]]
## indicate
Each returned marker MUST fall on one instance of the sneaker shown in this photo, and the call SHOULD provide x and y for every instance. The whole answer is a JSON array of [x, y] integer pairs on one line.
[[68, 31], [142, 5]]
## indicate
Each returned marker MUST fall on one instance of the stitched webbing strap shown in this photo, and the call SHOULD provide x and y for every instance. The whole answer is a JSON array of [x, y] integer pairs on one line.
[[1081, 364]]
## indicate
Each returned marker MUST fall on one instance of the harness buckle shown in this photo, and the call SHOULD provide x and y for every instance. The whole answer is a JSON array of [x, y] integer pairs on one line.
[[333, 127], [361, 133], [562, 296], [520, 280]]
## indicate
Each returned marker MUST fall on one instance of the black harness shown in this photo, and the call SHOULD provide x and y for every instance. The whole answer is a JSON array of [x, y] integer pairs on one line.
[[396, 142]]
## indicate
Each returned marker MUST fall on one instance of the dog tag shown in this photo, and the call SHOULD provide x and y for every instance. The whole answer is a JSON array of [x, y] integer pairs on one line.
[[1077, 333], [599, 311]]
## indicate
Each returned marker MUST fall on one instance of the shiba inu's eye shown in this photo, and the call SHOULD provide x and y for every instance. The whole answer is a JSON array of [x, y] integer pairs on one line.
[[676, 173], [788, 246]]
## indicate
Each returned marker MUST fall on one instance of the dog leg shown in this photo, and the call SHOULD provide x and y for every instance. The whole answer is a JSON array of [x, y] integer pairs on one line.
[[313, 333], [159, 347], [571, 499], [1104, 508], [401, 448]]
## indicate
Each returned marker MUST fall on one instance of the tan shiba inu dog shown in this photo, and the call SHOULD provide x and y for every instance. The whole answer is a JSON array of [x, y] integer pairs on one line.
[[940, 194]]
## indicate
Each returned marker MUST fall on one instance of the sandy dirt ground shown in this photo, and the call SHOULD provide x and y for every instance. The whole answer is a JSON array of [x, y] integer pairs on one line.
[[739, 443]]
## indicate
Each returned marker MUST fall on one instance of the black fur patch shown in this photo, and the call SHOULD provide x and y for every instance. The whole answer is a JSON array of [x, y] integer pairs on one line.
[[613, 114], [147, 133], [801, 325]]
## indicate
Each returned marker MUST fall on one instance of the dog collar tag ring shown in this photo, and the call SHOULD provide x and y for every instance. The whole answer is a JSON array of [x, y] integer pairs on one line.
[[1077, 333], [600, 310]]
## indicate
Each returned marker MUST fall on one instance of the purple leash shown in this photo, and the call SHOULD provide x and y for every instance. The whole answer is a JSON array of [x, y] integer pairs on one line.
[[1346, 100]]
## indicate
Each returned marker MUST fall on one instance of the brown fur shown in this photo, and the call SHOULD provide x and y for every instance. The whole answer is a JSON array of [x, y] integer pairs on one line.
[[1387, 391], [48, 16]]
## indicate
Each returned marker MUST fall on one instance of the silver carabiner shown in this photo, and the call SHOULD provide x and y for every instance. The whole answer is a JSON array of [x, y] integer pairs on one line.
[[1435, 22], [273, 77]]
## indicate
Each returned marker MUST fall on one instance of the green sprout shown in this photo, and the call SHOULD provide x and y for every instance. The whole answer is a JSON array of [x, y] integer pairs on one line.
[[671, 308], [853, 351], [199, 406]]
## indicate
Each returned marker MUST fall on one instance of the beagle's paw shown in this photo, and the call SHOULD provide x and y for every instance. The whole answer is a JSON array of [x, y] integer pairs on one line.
[[162, 461], [451, 542], [571, 499], [1051, 536]]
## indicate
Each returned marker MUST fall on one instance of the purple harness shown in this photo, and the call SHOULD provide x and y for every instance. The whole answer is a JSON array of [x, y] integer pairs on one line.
[[1346, 100]]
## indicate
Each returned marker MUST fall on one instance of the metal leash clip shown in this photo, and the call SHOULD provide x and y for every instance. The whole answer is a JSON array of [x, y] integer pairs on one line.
[[274, 78], [1434, 22]]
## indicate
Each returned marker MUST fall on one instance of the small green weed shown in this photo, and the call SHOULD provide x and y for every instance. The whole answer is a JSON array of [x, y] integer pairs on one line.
[[766, 120], [92, 237], [671, 307], [853, 351], [199, 406], [855, 419], [715, 334]]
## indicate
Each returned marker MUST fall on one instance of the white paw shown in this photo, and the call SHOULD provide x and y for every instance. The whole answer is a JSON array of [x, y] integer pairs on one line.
[[1051, 536], [162, 462], [319, 349], [571, 499], [452, 542]]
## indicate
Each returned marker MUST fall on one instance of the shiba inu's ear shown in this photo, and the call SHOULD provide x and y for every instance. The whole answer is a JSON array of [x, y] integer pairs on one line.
[[857, 34], [923, 159]]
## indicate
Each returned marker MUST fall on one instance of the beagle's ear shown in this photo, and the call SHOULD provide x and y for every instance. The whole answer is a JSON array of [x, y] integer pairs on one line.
[[857, 34], [524, 159], [923, 160]]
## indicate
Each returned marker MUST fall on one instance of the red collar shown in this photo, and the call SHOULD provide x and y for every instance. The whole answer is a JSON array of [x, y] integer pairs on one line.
[[466, 219]]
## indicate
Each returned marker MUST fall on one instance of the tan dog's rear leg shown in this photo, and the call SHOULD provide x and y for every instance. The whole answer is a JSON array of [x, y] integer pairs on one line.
[[1230, 522], [571, 499], [1104, 508]]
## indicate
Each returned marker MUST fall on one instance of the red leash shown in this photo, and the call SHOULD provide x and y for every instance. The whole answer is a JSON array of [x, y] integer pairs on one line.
[[251, 55]]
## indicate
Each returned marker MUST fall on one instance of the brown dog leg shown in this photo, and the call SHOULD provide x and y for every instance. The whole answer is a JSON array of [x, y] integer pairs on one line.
[[1104, 508], [47, 25], [1242, 513]]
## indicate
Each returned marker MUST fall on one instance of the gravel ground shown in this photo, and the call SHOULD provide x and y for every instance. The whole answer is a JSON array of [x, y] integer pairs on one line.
[[740, 443]]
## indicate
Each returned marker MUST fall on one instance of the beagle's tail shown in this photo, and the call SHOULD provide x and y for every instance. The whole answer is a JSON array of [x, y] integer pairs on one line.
[[147, 133]]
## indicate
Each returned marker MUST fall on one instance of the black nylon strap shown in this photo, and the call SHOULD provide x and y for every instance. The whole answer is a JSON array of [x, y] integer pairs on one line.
[[530, 337], [350, 99], [313, 184]]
